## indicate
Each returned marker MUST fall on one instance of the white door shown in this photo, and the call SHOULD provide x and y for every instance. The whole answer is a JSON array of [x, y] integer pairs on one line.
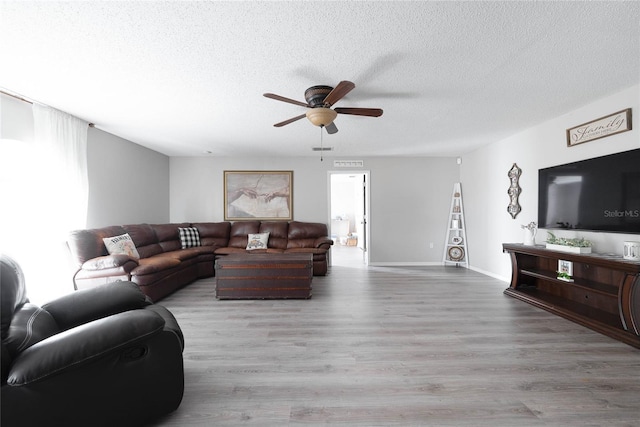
[[361, 214]]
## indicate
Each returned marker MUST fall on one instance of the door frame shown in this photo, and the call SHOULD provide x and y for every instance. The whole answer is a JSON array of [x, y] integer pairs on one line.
[[367, 206]]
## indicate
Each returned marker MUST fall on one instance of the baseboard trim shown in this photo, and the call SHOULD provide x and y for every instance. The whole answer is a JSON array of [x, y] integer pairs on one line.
[[404, 264], [437, 264], [488, 273]]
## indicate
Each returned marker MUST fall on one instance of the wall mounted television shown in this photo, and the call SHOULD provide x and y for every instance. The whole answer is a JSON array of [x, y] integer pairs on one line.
[[599, 194]]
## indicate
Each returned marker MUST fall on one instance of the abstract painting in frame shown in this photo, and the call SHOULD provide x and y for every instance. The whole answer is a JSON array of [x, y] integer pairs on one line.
[[258, 195]]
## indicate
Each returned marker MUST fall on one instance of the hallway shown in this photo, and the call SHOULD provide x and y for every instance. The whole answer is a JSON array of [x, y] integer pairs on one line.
[[347, 256]]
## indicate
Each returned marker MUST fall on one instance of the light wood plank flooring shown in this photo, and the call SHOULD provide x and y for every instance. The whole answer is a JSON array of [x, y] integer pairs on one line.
[[428, 346]]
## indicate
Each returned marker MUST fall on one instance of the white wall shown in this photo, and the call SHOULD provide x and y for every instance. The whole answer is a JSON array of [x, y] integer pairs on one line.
[[410, 198], [485, 182]]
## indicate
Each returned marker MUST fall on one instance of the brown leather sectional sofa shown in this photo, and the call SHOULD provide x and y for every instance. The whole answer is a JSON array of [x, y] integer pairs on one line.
[[164, 266]]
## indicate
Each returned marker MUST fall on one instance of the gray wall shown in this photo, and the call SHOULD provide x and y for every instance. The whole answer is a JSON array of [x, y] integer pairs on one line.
[[410, 198], [128, 184]]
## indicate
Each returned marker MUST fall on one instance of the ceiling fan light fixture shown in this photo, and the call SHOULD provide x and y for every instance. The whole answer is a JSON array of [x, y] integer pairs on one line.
[[321, 116]]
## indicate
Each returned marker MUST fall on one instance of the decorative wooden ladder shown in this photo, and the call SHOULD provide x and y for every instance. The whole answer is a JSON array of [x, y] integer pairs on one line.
[[455, 246]]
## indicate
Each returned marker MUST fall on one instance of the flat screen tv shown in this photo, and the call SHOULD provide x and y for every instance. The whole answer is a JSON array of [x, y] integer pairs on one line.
[[600, 194]]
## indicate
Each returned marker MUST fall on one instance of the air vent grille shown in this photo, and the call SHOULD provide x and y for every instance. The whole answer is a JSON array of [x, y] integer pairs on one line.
[[348, 163]]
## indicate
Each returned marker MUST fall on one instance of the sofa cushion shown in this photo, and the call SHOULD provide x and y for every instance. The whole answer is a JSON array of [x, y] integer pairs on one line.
[[257, 241], [155, 264], [229, 250], [183, 254], [239, 232], [315, 251], [213, 233], [305, 234], [109, 261], [168, 236], [277, 233], [145, 239], [121, 245], [87, 244], [189, 237], [306, 230]]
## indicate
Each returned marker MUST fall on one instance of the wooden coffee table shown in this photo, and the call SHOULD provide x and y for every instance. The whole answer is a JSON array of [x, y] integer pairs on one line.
[[264, 276]]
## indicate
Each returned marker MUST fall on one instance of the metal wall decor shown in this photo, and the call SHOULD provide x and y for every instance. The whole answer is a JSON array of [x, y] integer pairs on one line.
[[514, 190]]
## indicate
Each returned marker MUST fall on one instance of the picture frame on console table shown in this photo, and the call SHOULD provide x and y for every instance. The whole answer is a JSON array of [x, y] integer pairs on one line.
[[258, 195], [565, 270]]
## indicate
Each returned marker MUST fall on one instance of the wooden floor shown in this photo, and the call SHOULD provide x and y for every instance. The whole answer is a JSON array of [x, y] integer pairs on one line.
[[378, 346]]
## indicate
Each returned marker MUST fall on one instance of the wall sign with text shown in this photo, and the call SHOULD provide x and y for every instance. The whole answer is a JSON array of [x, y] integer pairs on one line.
[[600, 128]]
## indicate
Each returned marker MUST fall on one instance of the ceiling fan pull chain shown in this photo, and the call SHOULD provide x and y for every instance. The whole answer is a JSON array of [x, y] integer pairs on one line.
[[321, 146]]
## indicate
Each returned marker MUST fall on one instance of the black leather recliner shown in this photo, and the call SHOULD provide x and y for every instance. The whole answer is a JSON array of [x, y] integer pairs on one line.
[[104, 356]]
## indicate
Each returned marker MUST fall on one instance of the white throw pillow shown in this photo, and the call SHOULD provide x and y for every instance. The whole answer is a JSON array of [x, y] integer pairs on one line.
[[122, 244], [257, 241]]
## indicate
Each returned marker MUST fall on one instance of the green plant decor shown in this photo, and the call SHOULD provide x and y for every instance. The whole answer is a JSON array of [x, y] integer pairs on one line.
[[578, 242], [564, 276]]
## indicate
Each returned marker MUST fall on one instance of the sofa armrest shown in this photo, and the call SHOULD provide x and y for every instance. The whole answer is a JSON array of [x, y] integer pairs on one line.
[[86, 305], [323, 242], [84, 345], [110, 261]]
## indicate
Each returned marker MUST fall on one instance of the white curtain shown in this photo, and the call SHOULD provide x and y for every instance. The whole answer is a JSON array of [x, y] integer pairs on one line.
[[45, 187], [63, 138]]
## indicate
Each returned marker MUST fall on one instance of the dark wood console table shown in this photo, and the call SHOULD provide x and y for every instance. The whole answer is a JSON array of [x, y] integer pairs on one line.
[[605, 294]]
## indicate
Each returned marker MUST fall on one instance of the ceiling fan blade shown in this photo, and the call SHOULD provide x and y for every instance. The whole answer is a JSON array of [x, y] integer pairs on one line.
[[343, 88], [283, 99], [331, 128], [369, 112], [291, 120]]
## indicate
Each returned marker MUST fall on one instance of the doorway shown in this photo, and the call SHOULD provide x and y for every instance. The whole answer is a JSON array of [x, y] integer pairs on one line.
[[349, 218]]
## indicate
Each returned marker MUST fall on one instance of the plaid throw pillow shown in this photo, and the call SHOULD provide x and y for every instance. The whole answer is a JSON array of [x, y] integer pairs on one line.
[[189, 237]]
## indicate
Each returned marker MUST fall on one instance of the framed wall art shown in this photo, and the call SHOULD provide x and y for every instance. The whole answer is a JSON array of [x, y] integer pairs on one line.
[[258, 195], [612, 124]]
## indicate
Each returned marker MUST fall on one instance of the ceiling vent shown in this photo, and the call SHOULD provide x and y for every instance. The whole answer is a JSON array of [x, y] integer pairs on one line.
[[348, 163]]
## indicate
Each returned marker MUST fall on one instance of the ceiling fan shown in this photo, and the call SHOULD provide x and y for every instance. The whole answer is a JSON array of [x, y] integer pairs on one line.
[[320, 99]]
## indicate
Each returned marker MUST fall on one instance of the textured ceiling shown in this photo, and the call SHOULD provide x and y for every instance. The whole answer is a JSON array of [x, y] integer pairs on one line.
[[183, 78]]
